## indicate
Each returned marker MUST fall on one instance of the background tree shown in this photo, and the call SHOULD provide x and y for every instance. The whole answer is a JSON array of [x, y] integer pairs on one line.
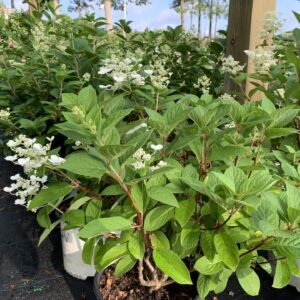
[[108, 14], [122, 5], [79, 6], [221, 10], [180, 6]]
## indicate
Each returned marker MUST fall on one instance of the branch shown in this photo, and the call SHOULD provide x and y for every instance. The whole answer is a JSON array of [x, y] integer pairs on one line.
[[257, 246]]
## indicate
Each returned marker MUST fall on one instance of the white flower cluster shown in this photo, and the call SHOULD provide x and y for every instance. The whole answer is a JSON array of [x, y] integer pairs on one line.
[[86, 77], [226, 97], [281, 92], [4, 114], [229, 125], [24, 188], [231, 66], [262, 59], [203, 83], [159, 165], [31, 155], [136, 128], [271, 24], [159, 74], [141, 158], [122, 70], [43, 41]]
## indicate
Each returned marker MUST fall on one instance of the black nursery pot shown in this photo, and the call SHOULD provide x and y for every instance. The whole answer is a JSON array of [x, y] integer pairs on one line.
[[96, 287]]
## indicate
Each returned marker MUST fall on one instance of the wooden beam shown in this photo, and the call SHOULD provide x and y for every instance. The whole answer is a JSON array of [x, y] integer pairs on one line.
[[245, 22], [32, 5]]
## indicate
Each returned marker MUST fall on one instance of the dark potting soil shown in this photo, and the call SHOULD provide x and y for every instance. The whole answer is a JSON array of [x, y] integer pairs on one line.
[[128, 287], [28, 272]]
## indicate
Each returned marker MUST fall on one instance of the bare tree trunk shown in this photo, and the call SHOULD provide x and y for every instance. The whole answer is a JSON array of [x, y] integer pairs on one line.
[[210, 15], [216, 16], [199, 17], [12, 4], [125, 9], [182, 14], [108, 15]]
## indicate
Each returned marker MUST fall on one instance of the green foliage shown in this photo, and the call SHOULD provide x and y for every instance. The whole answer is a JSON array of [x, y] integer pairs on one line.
[[165, 175]]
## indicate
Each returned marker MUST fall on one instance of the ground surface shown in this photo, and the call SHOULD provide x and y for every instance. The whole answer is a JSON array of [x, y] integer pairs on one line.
[[26, 271], [31, 273]]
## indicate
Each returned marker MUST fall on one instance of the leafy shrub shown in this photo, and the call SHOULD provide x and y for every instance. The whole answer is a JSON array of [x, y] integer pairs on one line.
[[167, 178]]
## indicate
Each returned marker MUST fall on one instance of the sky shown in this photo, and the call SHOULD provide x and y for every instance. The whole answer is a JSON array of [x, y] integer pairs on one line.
[[158, 14]]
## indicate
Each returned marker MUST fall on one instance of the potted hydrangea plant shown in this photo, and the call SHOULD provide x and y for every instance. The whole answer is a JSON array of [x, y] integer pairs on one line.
[[186, 192]]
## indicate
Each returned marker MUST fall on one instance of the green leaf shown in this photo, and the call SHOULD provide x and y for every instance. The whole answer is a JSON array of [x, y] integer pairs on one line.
[[273, 133], [163, 195], [53, 193], [74, 217], [264, 264], [124, 265], [69, 100], [111, 255], [88, 251], [220, 152], [226, 181], [205, 284], [282, 275], [166, 260], [43, 217], [289, 170], [158, 217], [111, 152], [268, 106], [248, 280], [112, 190], [159, 240], [227, 249], [293, 196], [82, 163], [264, 215], [139, 194], [284, 116], [258, 182], [207, 267], [185, 211], [207, 244], [136, 245], [296, 34], [87, 97], [189, 237], [200, 187], [47, 231], [104, 225], [79, 202]]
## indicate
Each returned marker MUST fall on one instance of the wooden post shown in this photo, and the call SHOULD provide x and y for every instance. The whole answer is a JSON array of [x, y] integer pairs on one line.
[[244, 25], [32, 5]]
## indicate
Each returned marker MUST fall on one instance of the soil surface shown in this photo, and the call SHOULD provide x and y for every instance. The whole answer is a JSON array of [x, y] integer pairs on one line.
[[31, 273], [128, 287], [112, 288], [28, 272]]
